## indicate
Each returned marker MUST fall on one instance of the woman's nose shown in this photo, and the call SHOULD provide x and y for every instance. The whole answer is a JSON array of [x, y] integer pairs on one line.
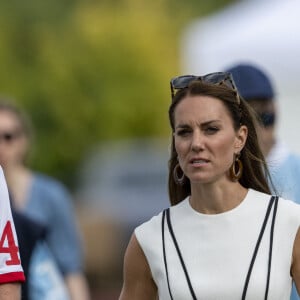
[[197, 142]]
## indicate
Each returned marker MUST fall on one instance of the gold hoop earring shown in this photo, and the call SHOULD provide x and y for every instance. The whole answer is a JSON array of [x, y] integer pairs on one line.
[[236, 174], [178, 180]]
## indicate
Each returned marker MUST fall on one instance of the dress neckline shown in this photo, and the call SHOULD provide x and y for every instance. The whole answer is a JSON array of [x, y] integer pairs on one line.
[[241, 206]]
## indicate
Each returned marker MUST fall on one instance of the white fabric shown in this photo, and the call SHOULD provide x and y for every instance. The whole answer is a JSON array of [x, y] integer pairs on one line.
[[217, 250], [10, 264], [284, 167], [278, 154]]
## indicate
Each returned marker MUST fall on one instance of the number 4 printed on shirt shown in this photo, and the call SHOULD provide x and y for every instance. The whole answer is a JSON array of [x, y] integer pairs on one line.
[[10, 245]]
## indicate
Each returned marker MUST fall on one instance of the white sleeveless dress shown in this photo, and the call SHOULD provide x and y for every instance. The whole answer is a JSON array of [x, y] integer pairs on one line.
[[217, 250]]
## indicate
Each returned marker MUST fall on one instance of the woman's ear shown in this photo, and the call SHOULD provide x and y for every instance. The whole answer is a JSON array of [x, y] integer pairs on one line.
[[241, 138]]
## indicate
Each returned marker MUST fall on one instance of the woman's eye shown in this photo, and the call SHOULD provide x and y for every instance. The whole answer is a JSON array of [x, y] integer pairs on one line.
[[212, 130], [183, 132]]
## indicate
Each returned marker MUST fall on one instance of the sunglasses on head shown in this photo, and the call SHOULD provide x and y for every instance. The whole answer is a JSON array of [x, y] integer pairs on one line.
[[217, 78], [267, 119]]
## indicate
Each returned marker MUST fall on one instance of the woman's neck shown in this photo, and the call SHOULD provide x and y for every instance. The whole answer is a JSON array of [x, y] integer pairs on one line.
[[216, 198]]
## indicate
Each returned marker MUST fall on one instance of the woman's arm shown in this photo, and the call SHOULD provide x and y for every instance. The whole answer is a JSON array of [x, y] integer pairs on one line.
[[138, 283], [77, 286], [295, 269]]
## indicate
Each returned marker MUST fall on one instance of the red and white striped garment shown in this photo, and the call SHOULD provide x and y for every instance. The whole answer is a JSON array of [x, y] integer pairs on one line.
[[10, 263]]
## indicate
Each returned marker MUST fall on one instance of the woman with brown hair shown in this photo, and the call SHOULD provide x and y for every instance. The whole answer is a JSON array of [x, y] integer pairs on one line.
[[224, 236]]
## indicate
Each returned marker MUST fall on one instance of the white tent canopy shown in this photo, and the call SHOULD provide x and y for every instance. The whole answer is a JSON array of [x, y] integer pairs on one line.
[[261, 32]]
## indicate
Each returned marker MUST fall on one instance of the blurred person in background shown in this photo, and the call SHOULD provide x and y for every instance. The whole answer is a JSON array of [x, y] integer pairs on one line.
[[216, 239], [11, 271], [255, 86], [28, 234], [41, 198], [43, 279]]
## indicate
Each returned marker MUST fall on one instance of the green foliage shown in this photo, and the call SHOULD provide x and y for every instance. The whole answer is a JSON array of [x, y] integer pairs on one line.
[[90, 71]]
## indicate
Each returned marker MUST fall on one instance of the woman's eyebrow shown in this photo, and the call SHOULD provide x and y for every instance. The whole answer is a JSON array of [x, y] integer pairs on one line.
[[183, 125]]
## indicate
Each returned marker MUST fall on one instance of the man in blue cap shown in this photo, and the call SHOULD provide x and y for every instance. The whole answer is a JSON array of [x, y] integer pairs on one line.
[[256, 88]]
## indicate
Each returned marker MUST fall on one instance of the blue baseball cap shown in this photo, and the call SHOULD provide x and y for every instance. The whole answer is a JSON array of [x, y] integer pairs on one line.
[[251, 82]]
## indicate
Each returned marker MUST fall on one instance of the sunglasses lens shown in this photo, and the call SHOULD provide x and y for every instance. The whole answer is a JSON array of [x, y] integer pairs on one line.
[[182, 82], [220, 77], [215, 77], [267, 119], [8, 136]]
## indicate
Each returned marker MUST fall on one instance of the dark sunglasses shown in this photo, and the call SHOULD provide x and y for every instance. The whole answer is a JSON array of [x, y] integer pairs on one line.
[[267, 119], [8, 136], [217, 78]]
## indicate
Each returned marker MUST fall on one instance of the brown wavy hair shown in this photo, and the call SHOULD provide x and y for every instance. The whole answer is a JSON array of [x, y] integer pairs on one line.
[[255, 172]]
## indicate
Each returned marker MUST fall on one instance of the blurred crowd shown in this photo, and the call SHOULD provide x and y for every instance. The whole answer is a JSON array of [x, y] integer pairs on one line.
[[72, 243]]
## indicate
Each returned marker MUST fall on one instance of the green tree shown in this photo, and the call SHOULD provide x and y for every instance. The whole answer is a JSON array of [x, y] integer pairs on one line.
[[90, 71]]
